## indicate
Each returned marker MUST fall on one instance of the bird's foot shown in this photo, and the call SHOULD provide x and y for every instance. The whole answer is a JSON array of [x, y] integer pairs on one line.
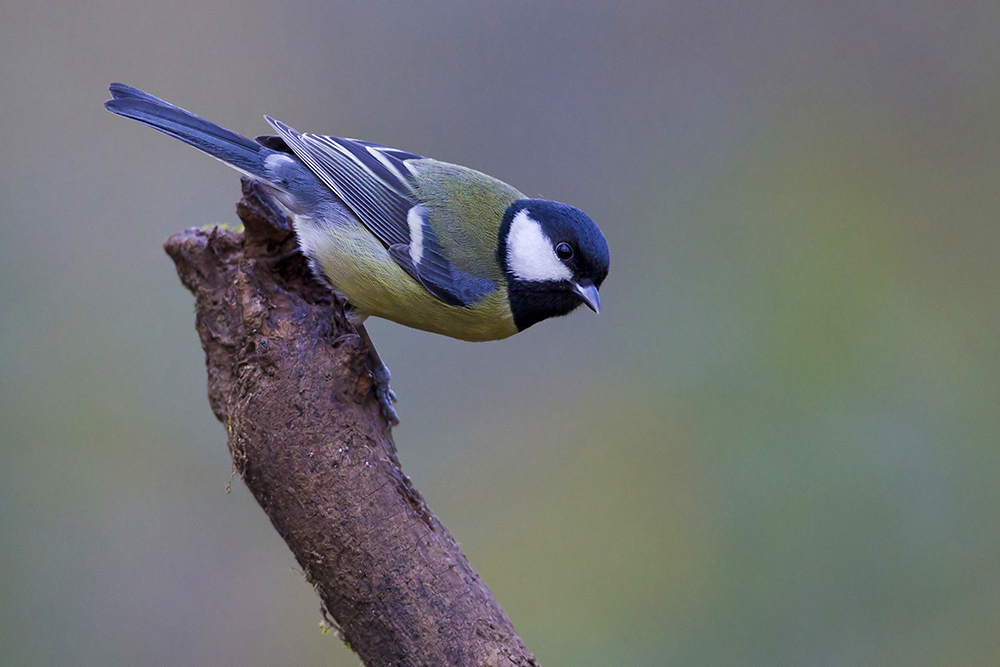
[[380, 373], [385, 395], [275, 261]]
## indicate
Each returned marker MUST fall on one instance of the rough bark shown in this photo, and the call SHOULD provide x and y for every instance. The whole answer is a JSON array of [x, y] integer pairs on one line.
[[288, 377]]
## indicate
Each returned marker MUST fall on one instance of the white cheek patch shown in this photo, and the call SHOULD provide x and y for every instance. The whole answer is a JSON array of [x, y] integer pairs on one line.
[[530, 255], [415, 220]]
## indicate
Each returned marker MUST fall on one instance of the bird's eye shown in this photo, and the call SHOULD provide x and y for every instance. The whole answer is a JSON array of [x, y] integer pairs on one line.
[[563, 251]]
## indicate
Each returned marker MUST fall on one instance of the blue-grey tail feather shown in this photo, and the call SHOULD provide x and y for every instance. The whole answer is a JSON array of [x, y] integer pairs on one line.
[[236, 150]]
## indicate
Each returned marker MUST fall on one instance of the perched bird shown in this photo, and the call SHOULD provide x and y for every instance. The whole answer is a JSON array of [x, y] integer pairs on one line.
[[424, 243]]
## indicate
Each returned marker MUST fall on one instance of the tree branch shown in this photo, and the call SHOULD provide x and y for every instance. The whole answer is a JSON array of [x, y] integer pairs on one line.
[[288, 377]]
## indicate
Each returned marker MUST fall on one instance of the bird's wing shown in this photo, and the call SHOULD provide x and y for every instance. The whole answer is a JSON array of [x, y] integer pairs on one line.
[[375, 182]]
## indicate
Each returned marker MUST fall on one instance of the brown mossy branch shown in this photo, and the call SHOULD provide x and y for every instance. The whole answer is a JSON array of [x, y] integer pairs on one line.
[[288, 376]]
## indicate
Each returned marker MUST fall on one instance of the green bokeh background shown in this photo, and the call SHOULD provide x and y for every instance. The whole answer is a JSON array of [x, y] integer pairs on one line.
[[777, 444]]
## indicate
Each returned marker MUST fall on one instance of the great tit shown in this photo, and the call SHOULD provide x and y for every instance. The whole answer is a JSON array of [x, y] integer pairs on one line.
[[427, 244]]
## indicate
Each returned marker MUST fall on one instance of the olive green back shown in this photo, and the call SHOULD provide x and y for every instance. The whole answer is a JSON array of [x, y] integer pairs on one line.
[[465, 208]]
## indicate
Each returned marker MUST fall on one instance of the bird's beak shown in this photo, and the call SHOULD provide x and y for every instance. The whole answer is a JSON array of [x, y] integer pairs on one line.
[[589, 295]]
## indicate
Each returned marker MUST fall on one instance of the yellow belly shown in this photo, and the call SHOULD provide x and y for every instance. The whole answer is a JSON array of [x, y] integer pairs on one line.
[[361, 269]]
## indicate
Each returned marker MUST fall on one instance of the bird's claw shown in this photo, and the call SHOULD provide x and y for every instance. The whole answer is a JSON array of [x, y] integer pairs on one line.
[[380, 374], [385, 395]]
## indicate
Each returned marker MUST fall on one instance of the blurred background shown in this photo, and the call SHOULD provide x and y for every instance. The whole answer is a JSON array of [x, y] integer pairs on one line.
[[777, 444]]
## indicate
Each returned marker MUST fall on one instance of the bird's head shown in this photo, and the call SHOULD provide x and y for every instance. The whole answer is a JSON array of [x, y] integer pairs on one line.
[[555, 258]]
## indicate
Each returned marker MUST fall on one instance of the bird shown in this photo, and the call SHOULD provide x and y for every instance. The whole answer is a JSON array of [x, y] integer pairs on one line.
[[421, 242]]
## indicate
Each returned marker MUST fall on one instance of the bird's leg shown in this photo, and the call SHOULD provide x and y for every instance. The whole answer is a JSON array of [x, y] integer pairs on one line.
[[386, 396], [275, 261]]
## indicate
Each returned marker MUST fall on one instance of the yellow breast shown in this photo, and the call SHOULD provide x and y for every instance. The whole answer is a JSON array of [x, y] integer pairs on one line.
[[361, 269]]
